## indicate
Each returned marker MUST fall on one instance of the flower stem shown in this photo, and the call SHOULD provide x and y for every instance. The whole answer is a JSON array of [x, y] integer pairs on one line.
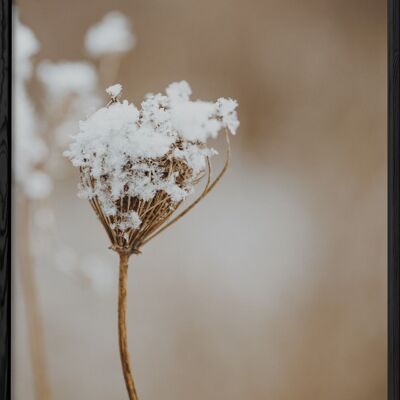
[[122, 334], [35, 329]]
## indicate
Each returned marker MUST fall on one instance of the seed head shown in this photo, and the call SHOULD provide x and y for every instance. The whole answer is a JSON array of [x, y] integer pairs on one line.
[[137, 166]]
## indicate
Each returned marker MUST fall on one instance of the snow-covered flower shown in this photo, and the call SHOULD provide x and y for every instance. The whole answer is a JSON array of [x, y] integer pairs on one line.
[[138, 165], [113, 34]]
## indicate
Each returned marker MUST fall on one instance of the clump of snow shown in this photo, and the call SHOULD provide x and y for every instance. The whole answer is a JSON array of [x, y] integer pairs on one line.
[[226, 111], [199, 120], [121, 150], [115, 90], [64, 78], [113, 34]]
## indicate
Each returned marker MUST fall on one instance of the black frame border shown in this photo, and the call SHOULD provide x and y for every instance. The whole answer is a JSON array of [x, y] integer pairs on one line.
[[5, 200], [393, 10]]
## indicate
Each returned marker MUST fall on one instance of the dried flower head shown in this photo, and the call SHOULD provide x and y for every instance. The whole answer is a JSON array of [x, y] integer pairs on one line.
[[137, 166]]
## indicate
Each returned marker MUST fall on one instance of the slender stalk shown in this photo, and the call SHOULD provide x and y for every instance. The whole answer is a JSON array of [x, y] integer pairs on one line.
[[122, 333], [34, 317]]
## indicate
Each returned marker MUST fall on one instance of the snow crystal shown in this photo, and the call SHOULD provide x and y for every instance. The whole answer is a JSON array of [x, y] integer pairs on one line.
[[114, 90], [226, 111], [179, 91], [130, 220], [111, 35]]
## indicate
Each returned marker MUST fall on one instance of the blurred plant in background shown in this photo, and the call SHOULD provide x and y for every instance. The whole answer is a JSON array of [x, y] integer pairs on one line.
[[70, 90]]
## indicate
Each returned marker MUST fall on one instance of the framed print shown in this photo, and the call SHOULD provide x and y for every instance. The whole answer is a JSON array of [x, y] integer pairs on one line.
[[199, 200]]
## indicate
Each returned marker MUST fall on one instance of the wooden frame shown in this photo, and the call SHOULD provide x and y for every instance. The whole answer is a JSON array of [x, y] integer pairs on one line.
[[393, 200]]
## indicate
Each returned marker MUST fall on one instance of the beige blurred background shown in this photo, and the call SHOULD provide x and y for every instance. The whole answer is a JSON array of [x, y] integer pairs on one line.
[[279, 290]]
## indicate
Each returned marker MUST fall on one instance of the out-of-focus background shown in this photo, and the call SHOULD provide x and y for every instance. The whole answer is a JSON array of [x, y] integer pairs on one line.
[[275, 286]]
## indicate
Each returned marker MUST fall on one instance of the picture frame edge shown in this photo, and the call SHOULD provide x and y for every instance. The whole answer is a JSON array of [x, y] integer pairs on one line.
[[5, 200]]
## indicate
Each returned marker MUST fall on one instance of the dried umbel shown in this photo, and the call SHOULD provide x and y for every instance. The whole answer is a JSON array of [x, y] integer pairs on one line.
[[138, 166]]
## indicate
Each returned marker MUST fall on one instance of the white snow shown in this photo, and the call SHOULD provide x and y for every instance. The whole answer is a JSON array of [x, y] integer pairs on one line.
[[114, 90], [226, 111], [199, 120], [25, 46], [119, 146], [64, 78], [113, 34], [30, 148]]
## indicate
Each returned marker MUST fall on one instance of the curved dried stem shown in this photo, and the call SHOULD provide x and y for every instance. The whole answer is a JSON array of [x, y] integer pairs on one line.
[[122, 332], [205, 192]]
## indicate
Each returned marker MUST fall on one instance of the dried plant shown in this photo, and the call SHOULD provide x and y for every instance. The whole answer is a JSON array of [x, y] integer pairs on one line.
[[138, 166], [39, 132]]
